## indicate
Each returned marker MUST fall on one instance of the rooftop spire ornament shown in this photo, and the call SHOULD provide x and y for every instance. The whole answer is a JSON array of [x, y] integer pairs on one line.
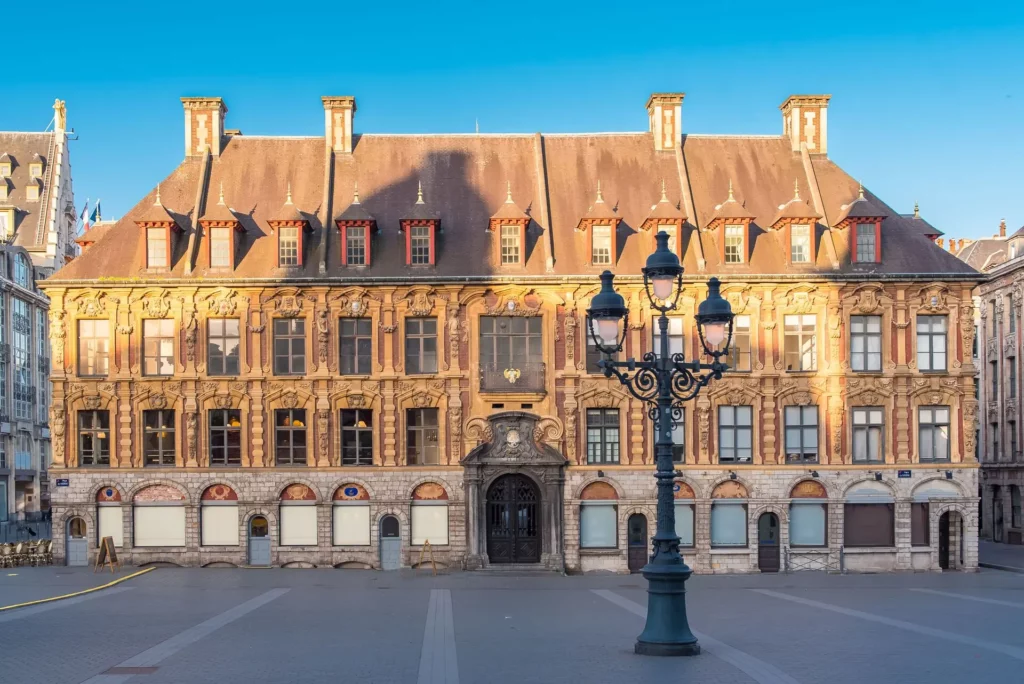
[[600, 197], [664, 197], [508, 192], [288, 200], [419, 192], [796, 189], [220, 200], [355, 192], [731, 198]]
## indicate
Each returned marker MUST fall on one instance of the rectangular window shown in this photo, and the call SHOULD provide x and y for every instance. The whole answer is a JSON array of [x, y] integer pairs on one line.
[[801, 434], [156, 248], [801, 342], [866, 343], [24, 395], [995, 440], [510, 341], [869, 524], [93, 347], [919, 524], [351, 523], [288, 246], [598, 526], [678, 441], [158, 438], [739, 353], [672, 231], [420, 345], [602, 436], [807, 524], [355, 245], [290, 437], [298, 525], [429, 523], [289, 346], [734, 244], [931, 343], [356, 350], [684, 523], [728, 524], [419, 246], [159, 525], [993, 317], [868, 434], [866, 252], [421, 437], [1011, 427], [1011, 317], [933, 433], [225, 437], [94, 438], [602, 245], [510, 248], [735, 434], [356, 437], [799, 243], [42, 367], [218, 522], [1011, 380], [223, 340], [675, 335], [220, 247], [158, 346], [593, 354]]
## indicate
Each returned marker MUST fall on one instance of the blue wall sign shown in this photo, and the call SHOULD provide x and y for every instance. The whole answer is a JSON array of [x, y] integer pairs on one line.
[[903, 473], [351, 491], [63, 482], [675, 488]]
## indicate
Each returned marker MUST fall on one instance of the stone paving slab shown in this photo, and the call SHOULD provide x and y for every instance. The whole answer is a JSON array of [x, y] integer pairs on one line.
[[1001, 556], [18, 585]]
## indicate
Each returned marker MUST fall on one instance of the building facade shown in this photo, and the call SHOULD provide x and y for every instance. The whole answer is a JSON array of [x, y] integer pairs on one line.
[[37, 220], [332, 350], [999, 305]]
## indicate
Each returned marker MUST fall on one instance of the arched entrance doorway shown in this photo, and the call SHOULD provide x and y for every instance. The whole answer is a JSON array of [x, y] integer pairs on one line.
[[390, 543], [513, 520], [638, 541], [951, 541], [76, 544], [259, 541], [768, 542]]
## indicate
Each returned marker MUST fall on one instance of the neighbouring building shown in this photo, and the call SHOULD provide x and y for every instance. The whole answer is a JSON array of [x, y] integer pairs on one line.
[[37, 220], [331, 350], [998, 354]]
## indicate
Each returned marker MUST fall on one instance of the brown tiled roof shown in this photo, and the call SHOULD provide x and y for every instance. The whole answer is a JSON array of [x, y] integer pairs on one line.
[[355, 211], [796, 209], [509, 210], [21, 149], [664, 210], [861, 207], [464, 180], [96, 232], [220, 211], [984, 254], [731, 208]]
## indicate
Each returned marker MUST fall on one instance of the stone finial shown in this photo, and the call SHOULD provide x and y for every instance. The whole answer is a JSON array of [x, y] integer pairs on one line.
[[508, 192], [355, 192], [600, 197], [917, 211], [419, 192]]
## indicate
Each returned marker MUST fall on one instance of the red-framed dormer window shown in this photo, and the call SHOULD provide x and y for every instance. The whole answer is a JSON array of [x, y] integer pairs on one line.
[[289, 246], [734, 244], [800, 238], [356, 242], [220, 242], [602, 245], [420, 242], [867, 242], [158, 247]]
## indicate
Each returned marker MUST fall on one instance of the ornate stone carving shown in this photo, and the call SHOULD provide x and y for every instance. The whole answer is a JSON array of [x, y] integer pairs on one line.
[[290, 400], [156, 306], [209, 387], [356, 401], [58, 424], [570, 435], [422, 400], [323, 331], [455, 429], [835, 332], [191, 335], [158, 401], [569, 324], [92, 303], [835, 415], [322, 417], [453, 337], [125, 329], [223, 401], [222, 303], [191, 434], [289, 303], [93, 402], [513, 304], [867, 301], [479, 430], [704, 428], [548, 429], [354, 303], [420, 302]]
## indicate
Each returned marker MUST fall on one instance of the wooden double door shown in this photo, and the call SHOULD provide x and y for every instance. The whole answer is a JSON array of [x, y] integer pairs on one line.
[[513, 520]]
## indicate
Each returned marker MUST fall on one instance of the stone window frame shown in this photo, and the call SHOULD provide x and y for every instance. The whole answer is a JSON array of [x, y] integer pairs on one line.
[[158, 357], [359, 432], [80, 339], [356, 336], [161, 452], [223, 337], [866, 335], [606, 443], [422, 337], [803, 410], [291, 356], [291, 429], [424, 430], [95, 431], [226, 430]]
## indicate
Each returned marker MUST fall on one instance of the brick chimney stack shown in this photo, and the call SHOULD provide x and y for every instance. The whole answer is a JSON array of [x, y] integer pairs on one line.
[[1002, 228], [339, 113], [665, 116], [805, 121], [942, 242], [204, 125]]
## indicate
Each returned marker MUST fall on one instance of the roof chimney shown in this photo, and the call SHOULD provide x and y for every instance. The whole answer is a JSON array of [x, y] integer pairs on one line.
[[805, 122], [1002, 228], [338, 115], [942, 242], [665, 114], [204, 125]]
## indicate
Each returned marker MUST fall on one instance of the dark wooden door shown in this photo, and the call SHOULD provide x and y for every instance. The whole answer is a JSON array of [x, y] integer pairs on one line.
[[638, 542], [768, 543], [944, 541], [513, 520]]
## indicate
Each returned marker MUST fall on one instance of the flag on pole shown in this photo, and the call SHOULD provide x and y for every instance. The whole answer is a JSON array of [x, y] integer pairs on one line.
[[96, 215], [84, 218]]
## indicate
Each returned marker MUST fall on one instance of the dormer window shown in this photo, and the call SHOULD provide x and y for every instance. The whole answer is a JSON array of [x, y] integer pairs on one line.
[[4, 189], [220, 225], [420, 228], [666, 217], [291, 227], [601, 222], [509, 223], [32, 190], [734, 243], [220, 248], [160, 228], [799, 243], [35, 167], [156, 248], [6, 222], [672, 231], [5, 165], [356, 227], [867, 243]]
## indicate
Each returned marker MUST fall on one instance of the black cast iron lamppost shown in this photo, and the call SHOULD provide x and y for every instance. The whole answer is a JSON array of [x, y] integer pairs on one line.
[[663, 381]]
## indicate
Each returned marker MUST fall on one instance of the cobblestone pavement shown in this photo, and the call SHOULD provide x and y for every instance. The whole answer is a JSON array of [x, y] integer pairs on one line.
[[245, 626]]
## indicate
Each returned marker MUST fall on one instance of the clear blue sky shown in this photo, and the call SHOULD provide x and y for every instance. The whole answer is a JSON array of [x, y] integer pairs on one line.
[[928, 98]]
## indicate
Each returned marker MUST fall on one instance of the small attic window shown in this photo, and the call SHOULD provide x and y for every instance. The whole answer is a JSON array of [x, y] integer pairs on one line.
[[35, 169], [4, 190], [734, 246], [32, 191], [5, 167], [672, 230], [6, 223]]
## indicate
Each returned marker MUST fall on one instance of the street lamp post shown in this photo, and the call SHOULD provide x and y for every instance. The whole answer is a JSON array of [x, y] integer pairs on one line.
[[663, 381]]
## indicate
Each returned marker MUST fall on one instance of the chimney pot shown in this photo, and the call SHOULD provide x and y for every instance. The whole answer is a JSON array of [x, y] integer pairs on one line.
[[805, 122], [942, 242], [665, 119], [339, 113], [1002, 228], [204, 125]]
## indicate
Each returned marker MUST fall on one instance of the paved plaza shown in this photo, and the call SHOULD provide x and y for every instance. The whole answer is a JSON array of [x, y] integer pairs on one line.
[[177, 625]]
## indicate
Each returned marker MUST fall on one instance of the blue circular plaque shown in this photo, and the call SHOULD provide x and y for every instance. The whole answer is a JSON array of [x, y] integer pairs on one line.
[[675, 488], [109, 492], [351, 491]]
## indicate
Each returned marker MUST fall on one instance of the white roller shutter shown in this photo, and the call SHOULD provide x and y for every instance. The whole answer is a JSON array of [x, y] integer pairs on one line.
[[429, 522], [159, 526], [351, 525], [111, 524], [219, 525], [298, 525]]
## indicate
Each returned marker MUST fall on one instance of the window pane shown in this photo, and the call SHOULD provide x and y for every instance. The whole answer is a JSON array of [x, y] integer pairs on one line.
[[598, 526], [807, 524], [684, 523], [728, 524]]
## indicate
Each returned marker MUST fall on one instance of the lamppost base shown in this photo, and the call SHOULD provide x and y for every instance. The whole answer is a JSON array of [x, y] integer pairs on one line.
[[644, 648], [667, 632]]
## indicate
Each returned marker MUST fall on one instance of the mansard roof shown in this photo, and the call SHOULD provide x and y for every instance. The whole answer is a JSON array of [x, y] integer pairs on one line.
[[22, 149], [464, 180]]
